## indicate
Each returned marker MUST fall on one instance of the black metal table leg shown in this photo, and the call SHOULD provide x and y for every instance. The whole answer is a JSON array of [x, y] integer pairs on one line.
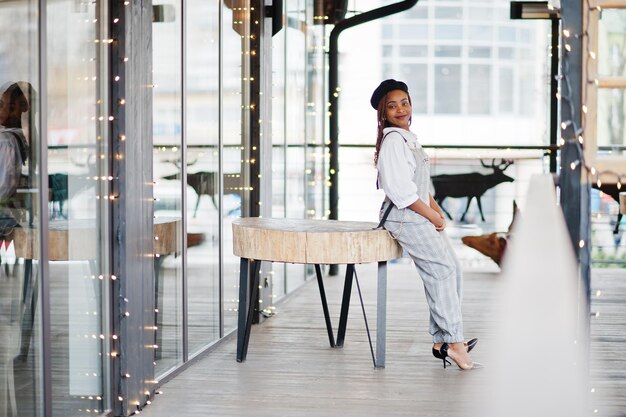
[[254, 296], [29, 307], [345, 305], [242, 311], [329, 326]]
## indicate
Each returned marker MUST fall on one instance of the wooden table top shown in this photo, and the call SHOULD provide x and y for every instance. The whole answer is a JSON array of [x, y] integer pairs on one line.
[[312, 241]]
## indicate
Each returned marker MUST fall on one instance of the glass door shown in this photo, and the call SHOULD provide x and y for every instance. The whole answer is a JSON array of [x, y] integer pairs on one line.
[[20, 302], [78, 207]]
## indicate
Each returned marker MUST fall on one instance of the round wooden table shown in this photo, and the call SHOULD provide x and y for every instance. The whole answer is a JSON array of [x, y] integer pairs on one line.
[[318, 242]]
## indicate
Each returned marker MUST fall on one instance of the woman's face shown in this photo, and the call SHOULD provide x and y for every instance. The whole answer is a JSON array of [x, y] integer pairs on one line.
[[398, 109], [11, 109]]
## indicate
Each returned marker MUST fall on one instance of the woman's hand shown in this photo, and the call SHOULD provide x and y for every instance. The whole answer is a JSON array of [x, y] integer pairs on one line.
[[440, 223], [434, 216]]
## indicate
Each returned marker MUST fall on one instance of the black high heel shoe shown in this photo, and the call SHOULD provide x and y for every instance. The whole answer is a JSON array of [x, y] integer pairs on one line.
[[470, 345], [444, 353]]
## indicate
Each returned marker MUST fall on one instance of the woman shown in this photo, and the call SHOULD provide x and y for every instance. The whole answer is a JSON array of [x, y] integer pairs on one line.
[[416, 221], [13, 154]]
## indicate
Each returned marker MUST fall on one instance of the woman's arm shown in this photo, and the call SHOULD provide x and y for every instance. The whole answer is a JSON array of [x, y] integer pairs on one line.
[[431, 214], [437, 208]]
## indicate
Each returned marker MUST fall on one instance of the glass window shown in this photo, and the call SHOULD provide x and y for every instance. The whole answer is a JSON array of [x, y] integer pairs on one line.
[[480, 13], [448, 32], [447, 88], [611, 116], [527, 91], [479, 52], [479, 33], [413, 51], [525, 35], [506, 34], [203, 273], [413, 31], [168, 174], [20, 306], [419, 11], [387, 71], [416, 77], [479, 89], [506, 53], [454, 13], [387, 50], [77, 213], [387, 29], [505, 90], [447, 51], [612, 38]]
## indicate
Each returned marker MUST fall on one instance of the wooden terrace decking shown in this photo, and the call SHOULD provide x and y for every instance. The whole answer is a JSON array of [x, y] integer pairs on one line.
[[291, 370]]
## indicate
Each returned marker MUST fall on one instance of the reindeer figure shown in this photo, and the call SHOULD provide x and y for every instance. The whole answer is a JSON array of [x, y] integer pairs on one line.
[[470, 185], [612, 190], [205, 183]]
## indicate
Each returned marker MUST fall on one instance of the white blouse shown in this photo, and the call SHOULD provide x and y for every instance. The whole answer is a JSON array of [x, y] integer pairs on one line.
[[403, 168]]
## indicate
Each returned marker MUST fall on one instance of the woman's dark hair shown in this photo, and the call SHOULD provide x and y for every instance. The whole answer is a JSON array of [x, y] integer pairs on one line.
[[383, 123]]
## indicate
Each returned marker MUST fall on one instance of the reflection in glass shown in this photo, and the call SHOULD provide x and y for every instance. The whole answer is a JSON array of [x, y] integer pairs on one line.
[[20, 311], [203, 173], [612, 41], [168, 171], [611, 116], [77, 212]]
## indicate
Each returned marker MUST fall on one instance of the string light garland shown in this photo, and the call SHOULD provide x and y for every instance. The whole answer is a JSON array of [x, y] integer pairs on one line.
[[578, 137]]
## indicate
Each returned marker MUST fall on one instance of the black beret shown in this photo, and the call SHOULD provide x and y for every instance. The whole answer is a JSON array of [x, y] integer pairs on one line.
[[385, 87]]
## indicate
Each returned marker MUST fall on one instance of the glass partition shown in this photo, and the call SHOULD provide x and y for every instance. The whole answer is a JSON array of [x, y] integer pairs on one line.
[[235, 139], [20, 279], [168, 165], [203, 201], [78, 208]]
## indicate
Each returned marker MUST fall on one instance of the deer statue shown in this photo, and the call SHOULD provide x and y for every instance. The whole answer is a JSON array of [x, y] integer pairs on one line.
[[205, 183], [470, 185]]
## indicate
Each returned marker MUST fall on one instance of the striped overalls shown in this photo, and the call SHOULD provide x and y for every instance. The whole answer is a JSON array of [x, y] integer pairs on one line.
[[430, 250]]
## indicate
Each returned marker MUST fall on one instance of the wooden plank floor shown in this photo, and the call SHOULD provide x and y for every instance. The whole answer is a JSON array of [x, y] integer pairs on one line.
[[292, 371]]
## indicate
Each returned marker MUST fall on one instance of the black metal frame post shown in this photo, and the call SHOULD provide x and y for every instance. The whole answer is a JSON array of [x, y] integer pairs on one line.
[[333, 95], [575, 190], [554, 86]]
